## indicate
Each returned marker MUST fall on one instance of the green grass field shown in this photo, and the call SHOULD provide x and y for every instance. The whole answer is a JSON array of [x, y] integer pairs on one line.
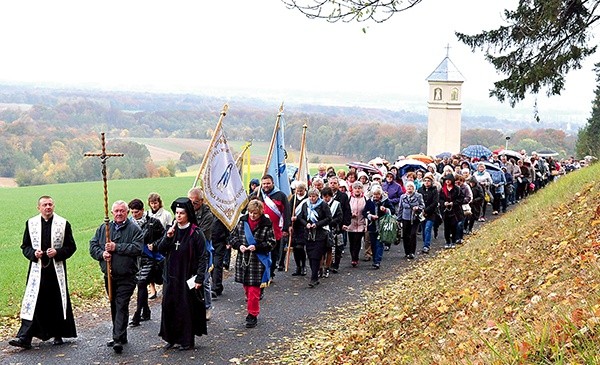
[[83, 205]]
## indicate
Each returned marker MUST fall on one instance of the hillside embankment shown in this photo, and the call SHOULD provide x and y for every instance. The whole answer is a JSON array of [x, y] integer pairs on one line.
[[521, 290]]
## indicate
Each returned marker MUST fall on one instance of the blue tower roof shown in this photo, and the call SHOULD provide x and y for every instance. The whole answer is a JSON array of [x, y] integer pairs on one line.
[[446, 71]]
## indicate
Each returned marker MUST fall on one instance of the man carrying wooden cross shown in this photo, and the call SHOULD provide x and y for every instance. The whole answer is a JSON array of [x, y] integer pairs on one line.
[[122, 251]]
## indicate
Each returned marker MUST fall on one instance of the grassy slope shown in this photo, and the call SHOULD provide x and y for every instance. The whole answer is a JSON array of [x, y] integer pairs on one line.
[[523, 290]]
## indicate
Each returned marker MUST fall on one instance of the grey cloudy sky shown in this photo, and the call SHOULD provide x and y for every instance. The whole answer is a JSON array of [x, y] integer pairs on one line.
[[235, 47]]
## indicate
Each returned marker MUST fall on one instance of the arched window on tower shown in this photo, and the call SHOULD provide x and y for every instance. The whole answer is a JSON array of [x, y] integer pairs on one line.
[[437, 94], [454, 94]]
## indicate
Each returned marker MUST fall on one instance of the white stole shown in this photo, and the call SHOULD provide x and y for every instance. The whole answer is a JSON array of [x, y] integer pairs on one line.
[[35, 272]]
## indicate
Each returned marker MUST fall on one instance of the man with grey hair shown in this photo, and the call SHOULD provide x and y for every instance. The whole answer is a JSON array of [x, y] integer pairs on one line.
[[121, 248]]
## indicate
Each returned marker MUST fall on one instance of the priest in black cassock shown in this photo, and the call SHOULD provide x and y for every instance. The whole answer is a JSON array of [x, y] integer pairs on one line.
[[46, 309], [183, 310]]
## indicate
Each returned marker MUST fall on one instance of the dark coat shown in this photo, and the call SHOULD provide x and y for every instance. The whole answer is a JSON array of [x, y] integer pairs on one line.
[[324, 219], [152, 230], [372, 207], [183, 310], [337, 217], [431, 199], [299, 231], [248, 268], [455, 211], [316, 247], [476, 203], [129, 240], [344, 200]]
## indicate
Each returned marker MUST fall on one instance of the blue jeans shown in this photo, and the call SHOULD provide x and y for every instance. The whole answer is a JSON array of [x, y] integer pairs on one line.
[[427, 232], [460, 229], [376, 247]]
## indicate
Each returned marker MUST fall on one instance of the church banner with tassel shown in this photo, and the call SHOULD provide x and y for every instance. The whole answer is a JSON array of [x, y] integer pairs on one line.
[[223, 187]]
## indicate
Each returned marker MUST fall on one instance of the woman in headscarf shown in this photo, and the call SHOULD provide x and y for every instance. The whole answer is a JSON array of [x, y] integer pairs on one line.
[[253, 237], [451, 200], [315, 217], [183, 310]]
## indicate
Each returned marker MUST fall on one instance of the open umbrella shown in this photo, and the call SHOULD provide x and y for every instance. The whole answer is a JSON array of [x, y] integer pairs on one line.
[[491, 166], [363, 166], [421, 157], [476, 150], [547, 153], [511, 153], [410, 164], [444, 155]]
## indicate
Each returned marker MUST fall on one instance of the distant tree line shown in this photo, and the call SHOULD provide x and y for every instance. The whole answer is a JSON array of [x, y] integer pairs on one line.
[[45, 143]]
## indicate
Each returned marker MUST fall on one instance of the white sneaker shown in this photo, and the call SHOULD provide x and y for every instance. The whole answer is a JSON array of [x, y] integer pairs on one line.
[[208, 314]]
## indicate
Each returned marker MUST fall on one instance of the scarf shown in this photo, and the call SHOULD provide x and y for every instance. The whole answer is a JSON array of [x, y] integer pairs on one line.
[[264, 258], [312, 214]]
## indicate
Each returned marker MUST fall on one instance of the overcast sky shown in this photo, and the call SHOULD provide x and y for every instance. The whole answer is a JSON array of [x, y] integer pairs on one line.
[[231, 47]]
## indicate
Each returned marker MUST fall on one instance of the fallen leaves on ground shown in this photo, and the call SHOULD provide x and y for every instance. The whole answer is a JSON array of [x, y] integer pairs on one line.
[[522, 290]]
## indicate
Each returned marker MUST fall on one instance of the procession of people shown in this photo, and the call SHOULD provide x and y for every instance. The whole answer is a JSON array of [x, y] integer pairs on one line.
[[325, 224]]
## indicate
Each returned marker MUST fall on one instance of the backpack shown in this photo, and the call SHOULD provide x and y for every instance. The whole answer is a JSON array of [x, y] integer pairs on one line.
[[388, 229]]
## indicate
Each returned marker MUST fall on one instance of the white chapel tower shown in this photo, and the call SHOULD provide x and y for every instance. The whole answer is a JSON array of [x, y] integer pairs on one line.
[[444, 105]]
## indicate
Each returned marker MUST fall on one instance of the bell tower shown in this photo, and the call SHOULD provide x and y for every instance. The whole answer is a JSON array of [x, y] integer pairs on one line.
[[444, 108]]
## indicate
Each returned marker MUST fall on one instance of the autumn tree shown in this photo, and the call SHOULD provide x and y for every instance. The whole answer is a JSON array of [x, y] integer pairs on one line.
[[588, 141]]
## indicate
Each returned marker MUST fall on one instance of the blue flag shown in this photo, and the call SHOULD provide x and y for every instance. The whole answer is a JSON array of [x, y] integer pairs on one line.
[[276, 165]]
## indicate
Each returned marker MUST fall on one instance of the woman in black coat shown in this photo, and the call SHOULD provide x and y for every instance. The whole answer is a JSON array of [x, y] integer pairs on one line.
[[451, 200], [315, 216]]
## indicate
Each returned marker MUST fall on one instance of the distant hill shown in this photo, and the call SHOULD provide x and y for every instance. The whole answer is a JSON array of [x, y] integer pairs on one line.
[[25, 96]]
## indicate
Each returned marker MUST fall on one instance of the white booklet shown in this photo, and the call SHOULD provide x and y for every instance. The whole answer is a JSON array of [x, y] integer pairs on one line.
[[191, 282]]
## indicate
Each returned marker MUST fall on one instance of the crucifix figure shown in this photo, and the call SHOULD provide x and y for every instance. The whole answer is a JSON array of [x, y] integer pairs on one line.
[[103, 157], [177, 245]]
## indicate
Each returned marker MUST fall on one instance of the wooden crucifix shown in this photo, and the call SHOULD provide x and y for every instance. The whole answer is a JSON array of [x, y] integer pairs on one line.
[[103, 157]]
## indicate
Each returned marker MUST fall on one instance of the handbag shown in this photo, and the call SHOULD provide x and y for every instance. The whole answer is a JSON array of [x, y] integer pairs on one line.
[[330, 239], [467, 209]]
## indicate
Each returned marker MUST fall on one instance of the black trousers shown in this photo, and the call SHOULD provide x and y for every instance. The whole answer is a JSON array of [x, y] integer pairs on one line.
[[122, 290], [355, 242], [275, 254], [409, 236], [300, 256], [217, 273]]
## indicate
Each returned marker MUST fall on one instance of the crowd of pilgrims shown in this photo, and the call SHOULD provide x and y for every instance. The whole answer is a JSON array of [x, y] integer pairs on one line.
[[311, 230]]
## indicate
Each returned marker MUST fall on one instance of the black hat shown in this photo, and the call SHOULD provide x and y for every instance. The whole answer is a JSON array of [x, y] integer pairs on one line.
[[186, 204], [449, 177]]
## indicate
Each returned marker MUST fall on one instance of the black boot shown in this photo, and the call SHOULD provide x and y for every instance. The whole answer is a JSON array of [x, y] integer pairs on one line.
[[145, 314], [298, 272], [135, 320]]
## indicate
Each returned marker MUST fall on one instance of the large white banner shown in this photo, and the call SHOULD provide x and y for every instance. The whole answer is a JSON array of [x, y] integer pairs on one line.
[[222, 183]]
